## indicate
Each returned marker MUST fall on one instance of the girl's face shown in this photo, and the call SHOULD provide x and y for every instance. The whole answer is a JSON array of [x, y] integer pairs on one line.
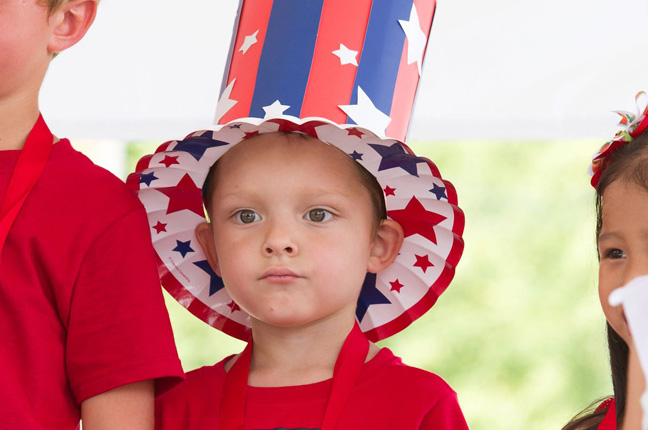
[[622, 244]]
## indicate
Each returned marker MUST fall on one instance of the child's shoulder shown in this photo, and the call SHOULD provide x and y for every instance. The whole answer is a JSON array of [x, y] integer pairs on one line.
[[193, 402], [203, 380], [387, 387], [73, 175], [207, 375], [393, 375]]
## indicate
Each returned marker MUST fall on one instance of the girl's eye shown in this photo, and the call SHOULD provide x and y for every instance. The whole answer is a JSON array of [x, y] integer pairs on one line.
[[318, 215], [247, 216], [614, 254]]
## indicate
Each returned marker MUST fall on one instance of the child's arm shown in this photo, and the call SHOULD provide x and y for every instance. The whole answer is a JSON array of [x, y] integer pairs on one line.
[[129, 407], [445, 415]]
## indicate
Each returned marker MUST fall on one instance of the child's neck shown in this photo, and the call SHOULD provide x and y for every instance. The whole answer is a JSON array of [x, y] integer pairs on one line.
[[296, 356], [18, 115]]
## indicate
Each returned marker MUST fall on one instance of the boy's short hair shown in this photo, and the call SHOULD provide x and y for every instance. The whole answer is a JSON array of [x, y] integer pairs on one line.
[[52, 5]]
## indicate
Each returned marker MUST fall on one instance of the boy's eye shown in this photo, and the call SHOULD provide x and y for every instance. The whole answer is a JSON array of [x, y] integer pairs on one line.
[[247, 216], [614, 254], [318, 215]]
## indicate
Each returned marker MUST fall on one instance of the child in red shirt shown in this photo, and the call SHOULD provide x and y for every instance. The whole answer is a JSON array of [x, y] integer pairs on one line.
[[295, 226], [322, 235], [620, 178], [83, 328]]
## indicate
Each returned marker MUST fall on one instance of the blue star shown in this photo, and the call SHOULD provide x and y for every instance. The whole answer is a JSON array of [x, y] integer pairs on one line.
[[215, 282], [370, 295], [395, 156], [356, 155], [235, 126], [183, 247], [147, 178], [197, 145], [439, 192]]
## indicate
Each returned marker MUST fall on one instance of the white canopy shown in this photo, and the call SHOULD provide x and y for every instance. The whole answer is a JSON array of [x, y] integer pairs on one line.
[[523, 69]]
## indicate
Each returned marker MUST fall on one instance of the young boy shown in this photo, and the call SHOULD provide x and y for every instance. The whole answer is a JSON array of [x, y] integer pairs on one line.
[[296, 226], [322, 235], [83, 328]]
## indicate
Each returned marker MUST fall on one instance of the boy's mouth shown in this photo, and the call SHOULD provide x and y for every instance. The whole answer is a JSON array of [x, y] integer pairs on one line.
[[279, 275]]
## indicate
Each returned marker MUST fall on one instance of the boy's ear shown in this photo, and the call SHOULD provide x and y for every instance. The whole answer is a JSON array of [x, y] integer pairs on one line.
[[386, 245], [205, 237], [69, 23]]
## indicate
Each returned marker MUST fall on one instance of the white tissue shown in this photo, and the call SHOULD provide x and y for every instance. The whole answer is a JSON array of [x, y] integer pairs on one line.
[[634, 298], [644, 408]]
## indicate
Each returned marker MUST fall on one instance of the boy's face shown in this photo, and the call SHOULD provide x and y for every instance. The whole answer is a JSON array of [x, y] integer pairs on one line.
[[291, 230], [24, 34]]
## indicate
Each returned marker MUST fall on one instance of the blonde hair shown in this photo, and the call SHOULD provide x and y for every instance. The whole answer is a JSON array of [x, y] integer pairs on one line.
[[52, 5]]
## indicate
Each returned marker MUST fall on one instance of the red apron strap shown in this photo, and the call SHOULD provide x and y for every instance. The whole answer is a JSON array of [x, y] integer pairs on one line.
[[30, 164], [232, 408], [345, 376]]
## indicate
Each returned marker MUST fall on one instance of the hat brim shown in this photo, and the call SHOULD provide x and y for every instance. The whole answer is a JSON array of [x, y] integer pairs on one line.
[[169, 184]]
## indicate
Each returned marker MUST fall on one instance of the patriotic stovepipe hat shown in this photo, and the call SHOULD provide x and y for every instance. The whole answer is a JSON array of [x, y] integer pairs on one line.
[[169, 183], [356, 62]]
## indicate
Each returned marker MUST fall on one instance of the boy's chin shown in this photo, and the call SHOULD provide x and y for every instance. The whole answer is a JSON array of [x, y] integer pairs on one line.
[[291, 321], [281, 321]]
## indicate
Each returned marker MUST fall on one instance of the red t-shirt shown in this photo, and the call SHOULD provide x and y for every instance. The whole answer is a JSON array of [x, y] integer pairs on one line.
[[81, 308], [609, 421], [388, 395]]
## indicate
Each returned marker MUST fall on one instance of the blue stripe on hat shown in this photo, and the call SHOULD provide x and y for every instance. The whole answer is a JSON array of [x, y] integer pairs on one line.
[[382, 52], [284, 66]]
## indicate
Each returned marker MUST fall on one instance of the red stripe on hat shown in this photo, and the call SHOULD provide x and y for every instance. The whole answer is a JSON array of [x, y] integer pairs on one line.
[[330, 83], [255, 15], [408, 79]]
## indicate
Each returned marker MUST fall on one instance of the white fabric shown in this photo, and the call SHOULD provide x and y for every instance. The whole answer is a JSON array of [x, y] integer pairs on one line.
[[634, 298]]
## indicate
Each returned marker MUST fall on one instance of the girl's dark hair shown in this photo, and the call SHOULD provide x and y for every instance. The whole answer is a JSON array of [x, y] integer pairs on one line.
[[628, 163]]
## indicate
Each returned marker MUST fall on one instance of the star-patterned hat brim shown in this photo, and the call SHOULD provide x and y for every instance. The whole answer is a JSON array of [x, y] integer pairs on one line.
[[169, 184]]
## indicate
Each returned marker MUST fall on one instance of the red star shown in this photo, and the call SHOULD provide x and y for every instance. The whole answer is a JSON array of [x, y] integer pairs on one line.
[[250, 134], [185, 195], [396, 286], [416, 220], [423, 262], [389, 191], [170, 160], [233, 306], [355, 132], [159, 227]]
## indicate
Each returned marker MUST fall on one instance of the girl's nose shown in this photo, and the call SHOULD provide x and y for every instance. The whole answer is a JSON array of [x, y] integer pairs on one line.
[[636, 266]]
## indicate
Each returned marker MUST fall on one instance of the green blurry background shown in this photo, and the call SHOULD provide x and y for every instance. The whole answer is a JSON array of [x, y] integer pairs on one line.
[[519, 334]]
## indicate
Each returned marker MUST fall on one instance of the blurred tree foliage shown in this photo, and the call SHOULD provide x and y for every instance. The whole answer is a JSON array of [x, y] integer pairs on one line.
[[519, 334]]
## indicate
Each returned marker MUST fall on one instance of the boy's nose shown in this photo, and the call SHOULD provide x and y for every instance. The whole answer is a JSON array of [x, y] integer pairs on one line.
[[279, 241]]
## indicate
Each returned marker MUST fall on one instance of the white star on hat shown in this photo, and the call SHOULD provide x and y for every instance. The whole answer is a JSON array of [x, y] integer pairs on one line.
[[225, 103], [248, 41], [274, 110], [346, 55], [416, 39], [366, 114]]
